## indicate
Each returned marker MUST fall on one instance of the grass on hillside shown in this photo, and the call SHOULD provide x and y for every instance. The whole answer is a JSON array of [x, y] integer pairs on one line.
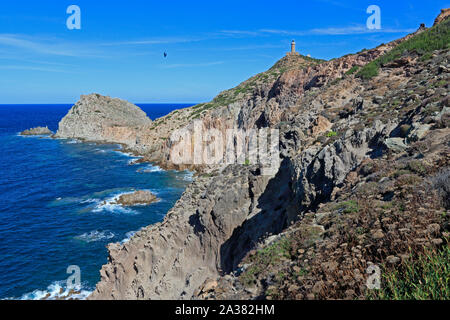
[[435, 38], [424, 278]]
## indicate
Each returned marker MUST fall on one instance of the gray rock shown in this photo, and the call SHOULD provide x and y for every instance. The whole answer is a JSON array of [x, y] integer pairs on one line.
[[396, 144], [38, 131], [393, 259], [377, 99], [418, 131], [99, 118]]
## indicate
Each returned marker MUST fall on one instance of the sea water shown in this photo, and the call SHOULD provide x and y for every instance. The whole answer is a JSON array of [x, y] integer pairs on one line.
[[57, 202]]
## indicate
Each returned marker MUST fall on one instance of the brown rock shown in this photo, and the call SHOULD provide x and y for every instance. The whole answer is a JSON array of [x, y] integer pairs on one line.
[[209, 285], [378, 234], [321, 125], [433, 229], [38, 131], [445, 13]]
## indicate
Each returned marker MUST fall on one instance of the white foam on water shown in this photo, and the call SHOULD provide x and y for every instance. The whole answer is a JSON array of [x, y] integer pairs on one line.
[[40, 136], [125, 154], [73, 141], [133, 160], [95, 235], [57, 290], [150, 168], [189, 176], [91, 201], [110, 205], [128, 236]]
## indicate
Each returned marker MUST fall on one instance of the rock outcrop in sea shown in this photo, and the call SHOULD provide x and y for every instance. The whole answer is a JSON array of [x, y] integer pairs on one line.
[[104, 119], [363, 179], [140, 197], [37, 131]]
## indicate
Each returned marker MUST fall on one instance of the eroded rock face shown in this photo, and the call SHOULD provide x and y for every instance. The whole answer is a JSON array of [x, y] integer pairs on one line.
[[169, 260], [141, 197], [38, 131], [99, 118]]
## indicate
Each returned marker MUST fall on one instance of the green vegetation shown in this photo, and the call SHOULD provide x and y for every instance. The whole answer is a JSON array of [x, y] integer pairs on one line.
[[352, 70], [350, 206], [270, 255], [370, 70], [424, 278], [417, 167], [435, 38], [331, 134]]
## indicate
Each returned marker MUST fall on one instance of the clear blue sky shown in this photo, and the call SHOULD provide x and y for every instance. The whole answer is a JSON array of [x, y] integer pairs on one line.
[[212, 45]]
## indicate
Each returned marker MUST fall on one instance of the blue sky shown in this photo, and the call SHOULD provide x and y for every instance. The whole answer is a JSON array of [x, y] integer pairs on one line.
[[211, 45]]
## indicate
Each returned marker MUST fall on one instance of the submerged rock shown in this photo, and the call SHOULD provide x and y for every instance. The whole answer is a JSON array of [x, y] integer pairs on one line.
[[141, 197], [37, 131]]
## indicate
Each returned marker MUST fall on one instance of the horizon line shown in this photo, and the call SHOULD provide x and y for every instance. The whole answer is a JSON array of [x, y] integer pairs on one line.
[[55, 104]]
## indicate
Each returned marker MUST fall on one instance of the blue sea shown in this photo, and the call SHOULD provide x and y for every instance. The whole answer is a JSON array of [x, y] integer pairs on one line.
[[57, 202]]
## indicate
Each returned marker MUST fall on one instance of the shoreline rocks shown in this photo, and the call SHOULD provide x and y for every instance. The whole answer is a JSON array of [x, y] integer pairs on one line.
[[37, 131]]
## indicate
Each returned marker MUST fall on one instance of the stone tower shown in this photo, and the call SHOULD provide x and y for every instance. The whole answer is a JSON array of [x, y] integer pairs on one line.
[[292, 53]]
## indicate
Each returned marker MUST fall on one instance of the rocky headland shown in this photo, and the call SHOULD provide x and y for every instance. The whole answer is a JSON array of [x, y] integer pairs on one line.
[[103, 119], [363, 179]]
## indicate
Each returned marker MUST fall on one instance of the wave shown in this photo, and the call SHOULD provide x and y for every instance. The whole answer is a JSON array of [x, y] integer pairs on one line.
[[134, 160], [128, 236], [95, 235], [97, 150], [73, 141], [149, 168], [57, 291], [40, 136], [110, 205], [124, 153]]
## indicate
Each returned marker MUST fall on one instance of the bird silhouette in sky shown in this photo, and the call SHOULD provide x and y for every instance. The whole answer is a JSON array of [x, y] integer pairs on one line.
[[165, 54]]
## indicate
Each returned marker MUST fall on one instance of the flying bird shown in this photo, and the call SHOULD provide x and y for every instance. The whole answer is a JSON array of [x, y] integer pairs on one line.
[[165, 54]]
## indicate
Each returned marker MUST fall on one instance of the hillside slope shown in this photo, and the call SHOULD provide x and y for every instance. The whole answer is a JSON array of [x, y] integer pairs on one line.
[[364, 178]]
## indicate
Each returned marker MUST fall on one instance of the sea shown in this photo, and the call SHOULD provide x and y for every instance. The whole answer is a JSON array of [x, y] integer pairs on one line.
[[57, 211]]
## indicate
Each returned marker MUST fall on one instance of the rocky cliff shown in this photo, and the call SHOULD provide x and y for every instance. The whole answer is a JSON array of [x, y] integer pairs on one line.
[[363, 177]]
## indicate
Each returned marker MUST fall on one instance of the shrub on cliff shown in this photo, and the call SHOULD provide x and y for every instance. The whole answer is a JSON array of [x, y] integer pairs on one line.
[[435, 38], [424, 278]]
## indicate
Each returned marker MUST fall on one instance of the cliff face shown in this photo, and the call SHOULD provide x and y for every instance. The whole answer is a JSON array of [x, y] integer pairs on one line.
[[98, 118], [169, 260], [234, 230], [264, 100]]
